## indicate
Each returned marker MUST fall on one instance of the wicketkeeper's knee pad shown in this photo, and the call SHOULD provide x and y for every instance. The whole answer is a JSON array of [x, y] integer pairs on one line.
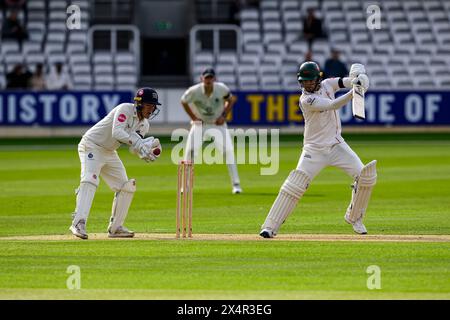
[[91, 178], [362, 190], [290, 193], [121, 204]]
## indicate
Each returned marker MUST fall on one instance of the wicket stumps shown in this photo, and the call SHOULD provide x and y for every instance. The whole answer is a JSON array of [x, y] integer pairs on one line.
[[184, 198]]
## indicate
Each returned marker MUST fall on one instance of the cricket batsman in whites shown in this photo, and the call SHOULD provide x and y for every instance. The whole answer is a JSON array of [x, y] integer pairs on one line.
[[125, 124], [207, 104], [324, 146]]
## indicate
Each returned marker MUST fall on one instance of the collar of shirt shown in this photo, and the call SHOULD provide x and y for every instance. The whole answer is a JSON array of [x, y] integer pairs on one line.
[[203, 91]]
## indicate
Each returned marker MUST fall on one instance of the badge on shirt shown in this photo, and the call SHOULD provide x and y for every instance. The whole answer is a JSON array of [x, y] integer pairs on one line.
[[310, 101], [122, 117]]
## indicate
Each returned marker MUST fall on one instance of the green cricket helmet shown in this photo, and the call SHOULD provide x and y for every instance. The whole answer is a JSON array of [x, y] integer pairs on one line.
[[308, 71]]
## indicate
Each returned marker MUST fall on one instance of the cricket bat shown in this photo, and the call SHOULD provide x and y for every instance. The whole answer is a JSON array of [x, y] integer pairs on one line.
[[358, 102]]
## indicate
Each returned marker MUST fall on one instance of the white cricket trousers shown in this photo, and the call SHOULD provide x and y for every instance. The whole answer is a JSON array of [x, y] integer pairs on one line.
[[97, 162], [313, 159], [222, 142]]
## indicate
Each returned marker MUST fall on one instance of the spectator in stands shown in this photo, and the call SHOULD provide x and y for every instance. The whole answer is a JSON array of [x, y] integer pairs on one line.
[[14, 4], [308, 56], [38, 78], [18, 78], [12, 29], [334, 67], [312, 28], [58, 79]]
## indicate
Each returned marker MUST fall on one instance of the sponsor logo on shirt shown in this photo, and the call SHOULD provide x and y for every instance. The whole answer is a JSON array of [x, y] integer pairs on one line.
[[122, 117]]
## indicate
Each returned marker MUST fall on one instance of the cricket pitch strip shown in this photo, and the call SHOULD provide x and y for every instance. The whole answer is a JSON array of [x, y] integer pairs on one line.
[[243, 237]]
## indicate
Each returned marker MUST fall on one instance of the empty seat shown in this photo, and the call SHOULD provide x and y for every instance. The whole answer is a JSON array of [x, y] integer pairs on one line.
[[248, 84], [36, 5], [104, 79], [56, 57], [77, 36], [247, 70], [249, 59], [31, 46], [228, 79], [102, 58], [249, 14], [126, 68], [268, 70], [126, 79], [225, 69], [14, 59], [272, 27], [56, 36], [57, 16], [227, 58], [81, 68], [291, 17], [290, 84], [124, 57], [270, 16], [270, 83], [269, 5], [251, 37], [269, 37], [205, 58], [248, 26], [443, 82], [276, 47], [289, 5], [8, 47]]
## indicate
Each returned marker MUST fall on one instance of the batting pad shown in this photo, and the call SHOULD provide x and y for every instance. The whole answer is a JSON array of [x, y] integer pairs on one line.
[[362, 190], [85, 195], [121, 204], [290, 193]]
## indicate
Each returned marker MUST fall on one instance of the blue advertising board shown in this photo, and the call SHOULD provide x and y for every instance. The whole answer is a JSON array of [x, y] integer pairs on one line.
[[382, 108], [58, 108], [396, 108]]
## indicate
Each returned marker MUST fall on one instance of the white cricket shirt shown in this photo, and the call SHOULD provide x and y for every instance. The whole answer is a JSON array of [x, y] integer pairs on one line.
[[322, 126], [115, 129], [206, 108]]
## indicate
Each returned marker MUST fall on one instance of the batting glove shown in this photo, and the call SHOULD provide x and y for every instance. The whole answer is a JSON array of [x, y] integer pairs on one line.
[[356, 69], [362, 80]]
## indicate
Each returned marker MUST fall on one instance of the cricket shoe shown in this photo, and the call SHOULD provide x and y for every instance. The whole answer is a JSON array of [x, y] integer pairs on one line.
[[267, 233], [79, 229], [237, 189], [358, 226], [121, 232]]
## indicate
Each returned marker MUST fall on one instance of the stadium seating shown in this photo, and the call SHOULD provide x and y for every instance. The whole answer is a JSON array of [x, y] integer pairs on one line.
[[413, 34], [50, 41]]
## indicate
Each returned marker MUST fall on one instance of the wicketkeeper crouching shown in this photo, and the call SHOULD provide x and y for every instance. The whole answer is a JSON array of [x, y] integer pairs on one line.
[[125, 124]]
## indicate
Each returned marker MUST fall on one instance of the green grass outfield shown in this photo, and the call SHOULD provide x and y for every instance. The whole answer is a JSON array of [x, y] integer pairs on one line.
[[412, 197]]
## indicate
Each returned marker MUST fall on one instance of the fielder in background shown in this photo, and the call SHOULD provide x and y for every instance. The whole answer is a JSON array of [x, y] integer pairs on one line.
[[324, 146], [127, 123], [207, 104]]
